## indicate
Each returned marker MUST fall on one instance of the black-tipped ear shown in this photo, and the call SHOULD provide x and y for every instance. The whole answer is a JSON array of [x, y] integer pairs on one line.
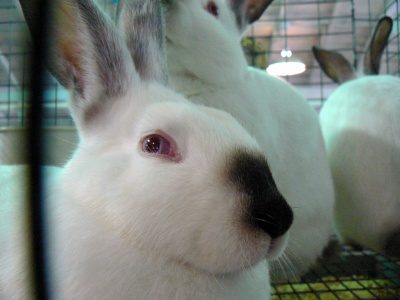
[[376, 45], [87, 55], [142, 25], [334, 65]]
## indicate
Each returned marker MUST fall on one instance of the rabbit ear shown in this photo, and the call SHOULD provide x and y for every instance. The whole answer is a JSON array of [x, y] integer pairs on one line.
[[255, 8], [334, 65], [142, 26], [87, 55], [248, 11], [376, 46]]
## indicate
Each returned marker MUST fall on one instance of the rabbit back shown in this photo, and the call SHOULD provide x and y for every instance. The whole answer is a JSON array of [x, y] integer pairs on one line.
[[360, 124]]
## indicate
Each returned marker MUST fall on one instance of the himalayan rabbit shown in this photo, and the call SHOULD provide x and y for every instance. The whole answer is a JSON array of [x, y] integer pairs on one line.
[[163, 198], [206, 63], [361, 126]]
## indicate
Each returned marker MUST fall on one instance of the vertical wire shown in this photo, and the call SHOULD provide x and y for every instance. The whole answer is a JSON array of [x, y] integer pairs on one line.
[[354, 34], [398, 37], [285, 44], [23, 94], [253, 47], [39, 31], [321, 82], [387, 46], [9, 103]]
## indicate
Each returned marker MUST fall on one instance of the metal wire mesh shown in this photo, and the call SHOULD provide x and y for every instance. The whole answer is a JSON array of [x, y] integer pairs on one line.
[[15, 47], [342, 25], [353, 274]]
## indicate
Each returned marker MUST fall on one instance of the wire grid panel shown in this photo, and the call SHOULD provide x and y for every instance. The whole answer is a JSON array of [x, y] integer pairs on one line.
[[15, 47], [353, 274], [341, 25]]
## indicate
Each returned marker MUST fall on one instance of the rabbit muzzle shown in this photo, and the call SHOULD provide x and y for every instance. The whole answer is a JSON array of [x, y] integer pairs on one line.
[[266, 209]]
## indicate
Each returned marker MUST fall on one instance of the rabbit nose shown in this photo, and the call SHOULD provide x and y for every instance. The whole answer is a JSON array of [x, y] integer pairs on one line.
[[267, 209]]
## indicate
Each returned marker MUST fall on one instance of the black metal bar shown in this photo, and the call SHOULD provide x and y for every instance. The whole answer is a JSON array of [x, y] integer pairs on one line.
[[39, 31]]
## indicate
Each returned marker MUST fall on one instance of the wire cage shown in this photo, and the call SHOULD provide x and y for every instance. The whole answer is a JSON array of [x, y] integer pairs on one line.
[[341, 25], [15, 48], [349, 274]]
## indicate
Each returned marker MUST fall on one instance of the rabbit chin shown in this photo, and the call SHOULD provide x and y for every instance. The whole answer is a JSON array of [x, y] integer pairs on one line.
[[239, 256]]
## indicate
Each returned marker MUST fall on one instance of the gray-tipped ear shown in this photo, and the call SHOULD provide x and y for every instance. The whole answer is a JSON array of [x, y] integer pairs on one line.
[[255, 8], [248, 11], [142, 25], [334, 65], [87, 55], [376, 46]]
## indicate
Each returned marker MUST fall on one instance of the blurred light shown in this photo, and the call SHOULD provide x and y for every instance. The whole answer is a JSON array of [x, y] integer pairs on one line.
[[286, 53], [286, 68]]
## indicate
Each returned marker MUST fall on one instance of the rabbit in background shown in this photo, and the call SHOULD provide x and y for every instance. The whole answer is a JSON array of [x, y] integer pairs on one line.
[[361, 126], [206, 63], [163, 198]]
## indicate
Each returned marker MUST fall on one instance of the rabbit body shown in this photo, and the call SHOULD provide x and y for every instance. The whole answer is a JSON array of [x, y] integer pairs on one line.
[[163, 198], [361, 123], [207, 65]]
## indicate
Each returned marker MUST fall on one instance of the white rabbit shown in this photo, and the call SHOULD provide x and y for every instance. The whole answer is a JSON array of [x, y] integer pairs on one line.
[[206, 64], [163, 199], [361, 126]]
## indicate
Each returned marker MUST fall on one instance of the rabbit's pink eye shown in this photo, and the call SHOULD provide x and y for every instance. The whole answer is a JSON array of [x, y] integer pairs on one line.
[[156, 144], [213, 9]]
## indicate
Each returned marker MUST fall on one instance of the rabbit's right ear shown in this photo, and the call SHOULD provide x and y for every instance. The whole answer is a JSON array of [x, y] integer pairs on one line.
[[376, 46], [248, 11], [86, 54], [334, 65], [141, 23]]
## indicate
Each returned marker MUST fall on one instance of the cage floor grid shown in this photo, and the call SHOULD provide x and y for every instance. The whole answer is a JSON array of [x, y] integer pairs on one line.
[[352, 274]]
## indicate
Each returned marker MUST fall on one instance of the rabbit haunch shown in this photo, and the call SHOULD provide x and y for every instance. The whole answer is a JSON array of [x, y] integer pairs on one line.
[[361, 123], [206, 63], [127, 221]]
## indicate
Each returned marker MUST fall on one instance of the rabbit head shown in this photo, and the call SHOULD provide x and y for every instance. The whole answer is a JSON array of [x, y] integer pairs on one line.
[[203, 35], [170, 178], [229, 17], [360, 124]]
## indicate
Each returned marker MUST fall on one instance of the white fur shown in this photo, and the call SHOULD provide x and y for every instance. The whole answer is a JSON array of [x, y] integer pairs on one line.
[[207, 65], [361, 124], [124, 223]]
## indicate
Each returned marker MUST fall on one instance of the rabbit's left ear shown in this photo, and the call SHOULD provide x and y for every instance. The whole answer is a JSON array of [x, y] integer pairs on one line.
[[142, 25], [248, 11], [334, 65], [87, 55], [376, 46]]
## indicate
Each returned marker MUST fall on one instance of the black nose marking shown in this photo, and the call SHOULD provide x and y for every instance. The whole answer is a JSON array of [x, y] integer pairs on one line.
[[267, 209]]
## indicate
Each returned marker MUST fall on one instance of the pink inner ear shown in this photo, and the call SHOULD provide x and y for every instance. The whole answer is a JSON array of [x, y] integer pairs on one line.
[[73, 56]]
